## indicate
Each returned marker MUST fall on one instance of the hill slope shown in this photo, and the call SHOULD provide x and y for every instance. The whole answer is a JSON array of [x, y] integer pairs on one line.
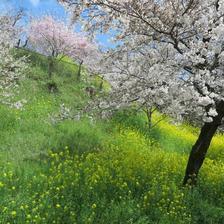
[[58, 170]]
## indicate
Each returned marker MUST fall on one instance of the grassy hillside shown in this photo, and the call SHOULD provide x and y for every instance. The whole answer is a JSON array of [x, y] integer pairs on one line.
[[114, 171]]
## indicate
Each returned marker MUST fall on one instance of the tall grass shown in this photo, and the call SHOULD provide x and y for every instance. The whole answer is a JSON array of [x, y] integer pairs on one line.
[[102, 171], [130, 181]]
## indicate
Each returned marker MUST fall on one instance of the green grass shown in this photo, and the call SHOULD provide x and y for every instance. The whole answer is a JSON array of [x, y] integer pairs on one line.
[[113, 171]]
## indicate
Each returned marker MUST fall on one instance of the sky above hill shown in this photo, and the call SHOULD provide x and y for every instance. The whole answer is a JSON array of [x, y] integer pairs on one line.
[[38, 8], [34, 8]]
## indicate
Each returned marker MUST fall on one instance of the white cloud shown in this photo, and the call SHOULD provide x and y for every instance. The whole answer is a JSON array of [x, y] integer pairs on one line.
[[35, 2]]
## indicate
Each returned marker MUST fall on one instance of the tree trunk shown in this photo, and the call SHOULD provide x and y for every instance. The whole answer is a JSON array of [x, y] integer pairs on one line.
[[101, 85], [149, 112], [201, 146], [50, 66], [79, 71], [25, 44], [18, 43]]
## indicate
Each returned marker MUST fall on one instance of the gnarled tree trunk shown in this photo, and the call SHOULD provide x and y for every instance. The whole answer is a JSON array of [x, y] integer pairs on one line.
[[201, 146]]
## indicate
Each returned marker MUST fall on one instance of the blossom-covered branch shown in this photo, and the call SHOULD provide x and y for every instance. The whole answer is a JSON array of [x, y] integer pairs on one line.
[[11, 68], [177, 58]]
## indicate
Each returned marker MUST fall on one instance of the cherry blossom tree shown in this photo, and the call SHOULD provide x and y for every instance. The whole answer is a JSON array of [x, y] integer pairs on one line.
[[55, 39], [11, 68], [177, 58], [134, 83]]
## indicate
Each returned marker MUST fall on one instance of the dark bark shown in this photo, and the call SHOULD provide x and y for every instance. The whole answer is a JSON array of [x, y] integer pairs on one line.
[[18, 43], [25, 44], [149, 112], [201, 146], [79, 71]]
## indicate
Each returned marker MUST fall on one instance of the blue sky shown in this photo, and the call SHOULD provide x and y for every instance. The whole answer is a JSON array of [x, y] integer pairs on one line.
[[34, 7], [37, 8]]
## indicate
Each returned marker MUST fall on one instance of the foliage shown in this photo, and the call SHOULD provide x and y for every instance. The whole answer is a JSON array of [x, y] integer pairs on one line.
[[39, 64], [54, 38], [169, 56], [91, 171], [127, 182], [11, 69]]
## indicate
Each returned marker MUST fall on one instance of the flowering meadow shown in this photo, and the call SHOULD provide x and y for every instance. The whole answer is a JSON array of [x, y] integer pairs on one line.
[[130, 180], [83, 171], [112, 113]]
